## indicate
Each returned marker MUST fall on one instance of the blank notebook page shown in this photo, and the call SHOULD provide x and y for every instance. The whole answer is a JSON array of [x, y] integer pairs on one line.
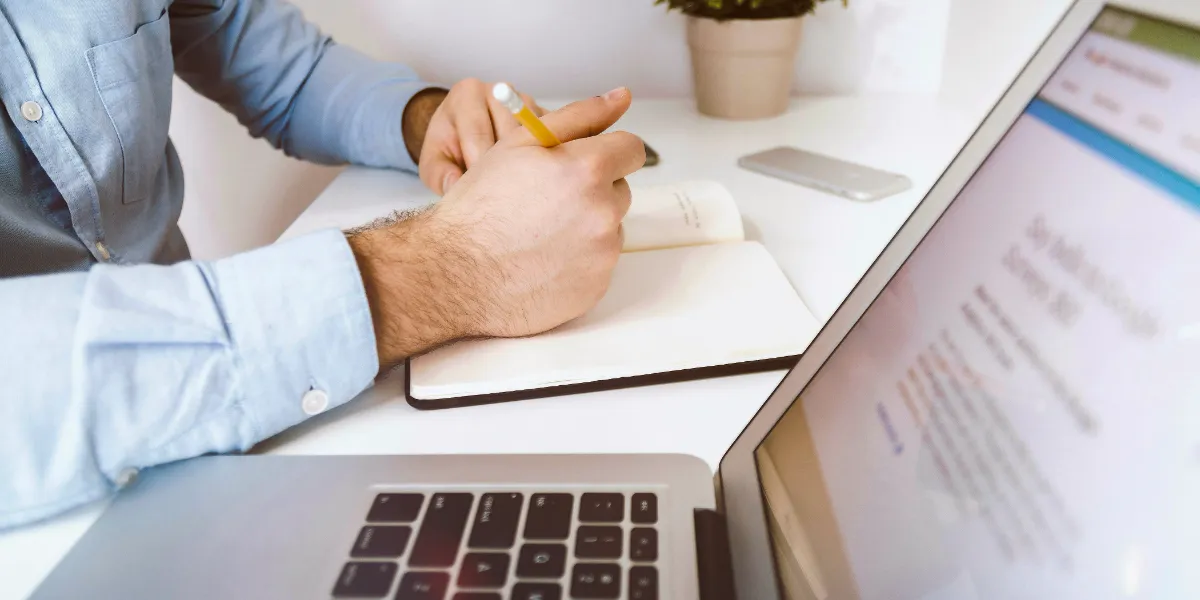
[[667, 310]]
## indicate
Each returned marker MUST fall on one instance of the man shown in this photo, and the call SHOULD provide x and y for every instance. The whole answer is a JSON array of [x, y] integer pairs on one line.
[[109, 367]]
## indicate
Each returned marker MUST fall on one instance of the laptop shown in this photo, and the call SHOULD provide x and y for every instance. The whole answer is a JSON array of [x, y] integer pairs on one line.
[[1006, 406]]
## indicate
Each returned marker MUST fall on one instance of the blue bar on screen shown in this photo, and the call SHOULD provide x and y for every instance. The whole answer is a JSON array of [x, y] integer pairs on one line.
[[1150, 169]]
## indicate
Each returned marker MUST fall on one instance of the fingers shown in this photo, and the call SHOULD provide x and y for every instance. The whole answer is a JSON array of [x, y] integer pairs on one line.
[[440, 172], [472, 119], [586, 118], [480, 120], [503, 120], [475, 133], [532, 105], [614, 155], [440, 165], [624, 198]]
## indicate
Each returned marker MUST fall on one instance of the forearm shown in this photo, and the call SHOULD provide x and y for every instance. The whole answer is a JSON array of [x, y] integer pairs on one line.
[[290, 84], [418, 286], [353, 110], [123, 368]]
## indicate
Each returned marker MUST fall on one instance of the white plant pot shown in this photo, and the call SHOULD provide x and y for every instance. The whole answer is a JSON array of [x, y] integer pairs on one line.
[[743, 68]]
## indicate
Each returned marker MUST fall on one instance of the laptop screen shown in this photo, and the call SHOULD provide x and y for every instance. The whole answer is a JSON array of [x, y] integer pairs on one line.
[[1018, 414]]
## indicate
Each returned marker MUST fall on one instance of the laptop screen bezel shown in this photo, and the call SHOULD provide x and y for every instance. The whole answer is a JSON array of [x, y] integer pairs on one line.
[[738, 488]]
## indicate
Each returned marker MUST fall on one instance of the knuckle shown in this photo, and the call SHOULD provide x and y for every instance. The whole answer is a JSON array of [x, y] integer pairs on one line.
[[639, 150], [562, 170], [470, 83], [621, 210], [603, 227], [614, 253], [591, 167], [601, 289], [479, 130], [631, 143], [624, 192], [594, 229], [508, 141]]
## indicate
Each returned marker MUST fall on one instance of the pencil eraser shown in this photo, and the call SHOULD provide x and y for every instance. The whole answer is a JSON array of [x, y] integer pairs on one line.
[[506, 96]]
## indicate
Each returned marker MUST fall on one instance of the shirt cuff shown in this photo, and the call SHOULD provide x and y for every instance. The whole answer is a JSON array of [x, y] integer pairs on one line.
[[301, 328]]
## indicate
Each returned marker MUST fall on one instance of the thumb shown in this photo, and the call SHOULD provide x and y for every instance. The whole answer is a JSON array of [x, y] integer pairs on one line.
[[588, 118]]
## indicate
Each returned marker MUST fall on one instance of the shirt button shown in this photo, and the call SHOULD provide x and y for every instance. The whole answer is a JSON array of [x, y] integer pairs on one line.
[[314, 402], [126, 476], [102, 250], [32, 111]]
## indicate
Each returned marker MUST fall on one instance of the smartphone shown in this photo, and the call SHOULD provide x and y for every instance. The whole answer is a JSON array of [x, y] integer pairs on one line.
[[825, 173]]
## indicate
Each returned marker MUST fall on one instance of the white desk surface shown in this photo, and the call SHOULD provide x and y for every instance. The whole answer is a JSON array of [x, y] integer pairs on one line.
[[824, 244]]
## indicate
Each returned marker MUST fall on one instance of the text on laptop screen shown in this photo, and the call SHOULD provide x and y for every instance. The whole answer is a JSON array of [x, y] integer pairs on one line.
[[1017, 414]]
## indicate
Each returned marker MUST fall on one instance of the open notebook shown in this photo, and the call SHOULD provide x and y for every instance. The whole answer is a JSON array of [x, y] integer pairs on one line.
[[689, 298]]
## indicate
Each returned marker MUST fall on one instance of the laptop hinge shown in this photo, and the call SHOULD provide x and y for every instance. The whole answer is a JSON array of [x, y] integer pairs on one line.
[[713, 559]]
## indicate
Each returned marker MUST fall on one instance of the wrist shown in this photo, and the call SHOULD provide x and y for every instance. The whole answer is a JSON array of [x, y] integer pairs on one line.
[[418, 113], [414, 296]]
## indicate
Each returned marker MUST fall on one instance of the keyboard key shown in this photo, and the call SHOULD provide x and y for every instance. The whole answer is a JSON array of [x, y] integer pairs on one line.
[[395, 508], [598, 542], [441, 530], [602, 508], [643, 583], [643, 544], [549, 517], [483, 571], [590, 580], [542, 561], [423, 586], [381, 541], [644, 510], [536, 591], [496, 521], [365, 580], [477, 596]]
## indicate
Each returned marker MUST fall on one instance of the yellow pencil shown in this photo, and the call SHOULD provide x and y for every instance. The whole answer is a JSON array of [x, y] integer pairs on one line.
[[512, 101]]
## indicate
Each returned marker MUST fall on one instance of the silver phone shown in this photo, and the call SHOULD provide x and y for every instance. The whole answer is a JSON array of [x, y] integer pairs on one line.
[[825, 173]]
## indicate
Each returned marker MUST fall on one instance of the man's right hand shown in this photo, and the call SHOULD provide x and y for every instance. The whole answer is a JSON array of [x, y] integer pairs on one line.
[[523, 243]]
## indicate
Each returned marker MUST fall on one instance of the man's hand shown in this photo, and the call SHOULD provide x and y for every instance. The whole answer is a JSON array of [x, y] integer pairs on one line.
[[450, 133], [526, 241]]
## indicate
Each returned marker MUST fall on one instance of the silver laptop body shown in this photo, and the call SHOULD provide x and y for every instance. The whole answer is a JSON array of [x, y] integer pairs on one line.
[[937, 440]]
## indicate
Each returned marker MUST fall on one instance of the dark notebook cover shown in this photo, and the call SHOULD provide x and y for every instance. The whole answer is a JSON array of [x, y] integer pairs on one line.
[[726, 370]]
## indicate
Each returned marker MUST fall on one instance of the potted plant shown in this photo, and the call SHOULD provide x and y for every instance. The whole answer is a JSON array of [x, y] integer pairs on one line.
[[743, 53]]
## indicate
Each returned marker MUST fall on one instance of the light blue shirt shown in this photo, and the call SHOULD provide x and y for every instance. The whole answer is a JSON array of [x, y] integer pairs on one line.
[[107, 367]]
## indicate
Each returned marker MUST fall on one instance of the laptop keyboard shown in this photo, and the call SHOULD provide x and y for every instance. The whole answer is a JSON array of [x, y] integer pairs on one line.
[[415, 546]]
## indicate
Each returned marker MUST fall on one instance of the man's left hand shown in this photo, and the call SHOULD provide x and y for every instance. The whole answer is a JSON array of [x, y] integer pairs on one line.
[[458, 128]]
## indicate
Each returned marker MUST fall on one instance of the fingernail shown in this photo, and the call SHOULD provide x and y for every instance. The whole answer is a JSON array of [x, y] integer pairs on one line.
[[615, 94], [449, 180]]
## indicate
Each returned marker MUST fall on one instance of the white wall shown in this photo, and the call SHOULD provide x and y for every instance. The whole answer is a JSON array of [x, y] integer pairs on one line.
[[242, 194]]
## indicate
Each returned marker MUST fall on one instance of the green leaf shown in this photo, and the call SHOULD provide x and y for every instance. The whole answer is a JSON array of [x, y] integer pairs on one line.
[[743, 9]]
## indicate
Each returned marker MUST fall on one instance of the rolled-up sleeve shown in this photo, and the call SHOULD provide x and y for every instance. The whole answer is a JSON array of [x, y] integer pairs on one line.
[[125, 367], [291, 84]]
